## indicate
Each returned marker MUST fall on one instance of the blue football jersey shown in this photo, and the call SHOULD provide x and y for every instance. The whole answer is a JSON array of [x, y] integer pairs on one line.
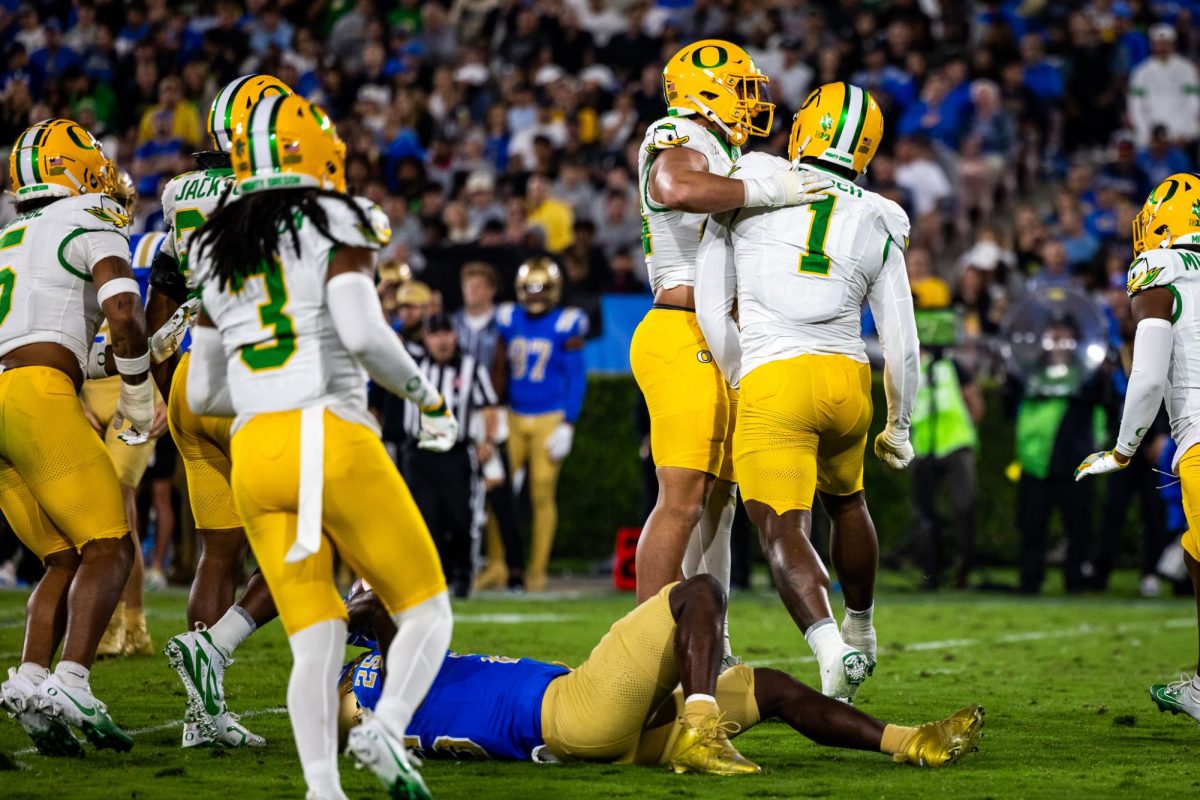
[[543, 375], [143, 247], [478, 706]]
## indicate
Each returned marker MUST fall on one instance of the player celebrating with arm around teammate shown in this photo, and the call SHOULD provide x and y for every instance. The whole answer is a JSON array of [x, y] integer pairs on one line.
[[714, 95], [291, 329], [65, 266], [1164, 284], [799, 277]]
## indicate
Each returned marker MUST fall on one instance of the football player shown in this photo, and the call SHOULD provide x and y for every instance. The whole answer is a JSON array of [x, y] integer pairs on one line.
[[715, 102], [799, 277], [217, 624], [624, 703], [1164, 284], [290, 331], [546, 381], [65, 267]]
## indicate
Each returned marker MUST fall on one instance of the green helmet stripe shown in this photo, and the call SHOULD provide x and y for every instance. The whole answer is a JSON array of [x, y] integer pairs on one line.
[[272, 142], [222, 109], [35, 156], [852, 113], [24, 165], [862, 120]]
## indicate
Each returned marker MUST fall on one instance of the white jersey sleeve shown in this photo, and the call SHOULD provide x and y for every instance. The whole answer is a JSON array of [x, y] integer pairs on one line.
[[670, 238]]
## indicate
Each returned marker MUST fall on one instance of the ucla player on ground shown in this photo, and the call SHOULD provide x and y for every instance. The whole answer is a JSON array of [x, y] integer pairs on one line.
[[127, 633], [1164, 284], [217, 624], [623, 704], [65, 266], [799, 277], [292, 328], [715, 102], [547, 379]]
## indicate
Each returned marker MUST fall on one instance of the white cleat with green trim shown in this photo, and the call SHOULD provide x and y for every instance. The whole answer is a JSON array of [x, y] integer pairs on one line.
[[201, 667], [1178, 697], [79, 708], [373, 747], [51, 735]]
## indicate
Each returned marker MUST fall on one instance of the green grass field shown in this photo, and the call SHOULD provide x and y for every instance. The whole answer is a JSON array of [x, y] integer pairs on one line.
[[1063, 681]]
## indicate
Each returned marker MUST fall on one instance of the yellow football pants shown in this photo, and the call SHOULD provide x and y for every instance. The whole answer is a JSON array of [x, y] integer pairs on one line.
[[686, 395], [1189, 479], [527, 437], [802, 426], [58, 486], [100, 397], [368, 516], [203, 443]]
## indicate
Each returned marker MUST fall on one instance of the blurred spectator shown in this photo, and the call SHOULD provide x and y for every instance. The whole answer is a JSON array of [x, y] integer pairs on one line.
[[1162, 158], [929, 291], [622, 276], [413, 299], [182, 118], [553, 216], [54, 57], [1165, 90], [921, 176]]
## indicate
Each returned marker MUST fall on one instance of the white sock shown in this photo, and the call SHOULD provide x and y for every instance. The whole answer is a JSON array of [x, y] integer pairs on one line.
[[312, 699], [35, 672], [859, 622], [413, 661], [232, 629], [825, 640], [74, 675], [708, 548]]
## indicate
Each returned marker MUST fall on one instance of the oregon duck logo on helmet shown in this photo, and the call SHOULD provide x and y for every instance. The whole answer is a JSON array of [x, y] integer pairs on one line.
[[287, 142], [1170, 214], [839, 124], [234, 101], [59, 158], [719, 81], [539, 285]]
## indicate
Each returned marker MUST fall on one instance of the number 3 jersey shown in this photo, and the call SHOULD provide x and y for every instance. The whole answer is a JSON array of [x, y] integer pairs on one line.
[[46, 261], [803, 272], [282, 349]]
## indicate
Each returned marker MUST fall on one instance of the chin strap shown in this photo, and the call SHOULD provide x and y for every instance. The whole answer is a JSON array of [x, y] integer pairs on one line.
[[712, 117]]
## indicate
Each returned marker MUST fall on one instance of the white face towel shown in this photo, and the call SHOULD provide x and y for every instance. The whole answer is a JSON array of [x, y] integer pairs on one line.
[[311, 487]]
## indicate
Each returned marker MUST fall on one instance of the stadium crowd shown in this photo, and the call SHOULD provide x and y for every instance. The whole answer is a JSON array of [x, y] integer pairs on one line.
[[493, 131]]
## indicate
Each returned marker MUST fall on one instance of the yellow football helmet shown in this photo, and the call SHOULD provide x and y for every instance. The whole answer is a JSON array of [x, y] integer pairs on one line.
[[539, 285], [840, 124], [719, 81], [414, 293], [1170, 215], [286, 142], [124, 191], [58, 158], [233, 103]]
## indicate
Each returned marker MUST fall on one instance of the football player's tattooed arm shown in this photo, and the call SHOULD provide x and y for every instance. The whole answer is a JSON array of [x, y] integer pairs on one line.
[[891, 303], [680, 180], [716, 290], [123, 310], [207, 384], [1152, 347]]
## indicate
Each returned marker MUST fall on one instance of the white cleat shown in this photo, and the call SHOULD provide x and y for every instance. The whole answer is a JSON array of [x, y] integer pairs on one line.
[[1177, 697], [843, 677], [201, 667], [50, 735], [79, 708], [233, 734], [863, 643], [373, 747], [193, 736]]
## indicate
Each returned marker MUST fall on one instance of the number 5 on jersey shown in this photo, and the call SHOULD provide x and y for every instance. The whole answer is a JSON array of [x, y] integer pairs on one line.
[[814, 261]]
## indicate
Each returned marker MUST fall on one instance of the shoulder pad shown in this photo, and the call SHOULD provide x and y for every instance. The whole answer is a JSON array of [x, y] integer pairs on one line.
[[347, 227], [571, 322], [670, 132], [169, 192], [381, 226], [98, 212], [895, 221], [504, 315], [1156, 268], [756, 164]]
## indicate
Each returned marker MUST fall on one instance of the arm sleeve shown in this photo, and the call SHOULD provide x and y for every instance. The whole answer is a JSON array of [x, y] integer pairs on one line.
[[576, 371], [891, 304], [1147, 382], [358, 319], [207, 384], [716, 289]]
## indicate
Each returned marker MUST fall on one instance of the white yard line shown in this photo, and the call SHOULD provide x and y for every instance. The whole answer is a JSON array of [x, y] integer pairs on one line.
[[512, 618]]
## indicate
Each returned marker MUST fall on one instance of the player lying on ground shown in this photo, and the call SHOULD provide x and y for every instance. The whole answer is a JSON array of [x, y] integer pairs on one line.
[[614, 709], [1164, 282]]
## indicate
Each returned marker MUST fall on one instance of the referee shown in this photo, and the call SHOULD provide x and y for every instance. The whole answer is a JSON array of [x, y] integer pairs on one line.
[[446, 486]]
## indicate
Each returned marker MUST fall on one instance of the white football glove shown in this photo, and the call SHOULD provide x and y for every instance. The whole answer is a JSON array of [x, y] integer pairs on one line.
[[135, 405], [166, 340], [558, 443], [1101, 463], [893, 448], [439, 429], [786, 188]]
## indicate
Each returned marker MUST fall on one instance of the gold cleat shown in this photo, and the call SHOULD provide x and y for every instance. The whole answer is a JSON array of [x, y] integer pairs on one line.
[[936, 744], [493, 576], [112, 643], [705, 748], [137, 635]]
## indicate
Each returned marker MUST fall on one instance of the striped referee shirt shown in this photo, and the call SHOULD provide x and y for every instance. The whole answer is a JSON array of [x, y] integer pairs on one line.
[[465, 384]]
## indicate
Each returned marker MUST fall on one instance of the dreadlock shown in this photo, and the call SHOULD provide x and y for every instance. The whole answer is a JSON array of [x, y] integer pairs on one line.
[[243, 234]]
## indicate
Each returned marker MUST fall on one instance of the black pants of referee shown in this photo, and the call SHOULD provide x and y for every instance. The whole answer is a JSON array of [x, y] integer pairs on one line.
[[444, 486]]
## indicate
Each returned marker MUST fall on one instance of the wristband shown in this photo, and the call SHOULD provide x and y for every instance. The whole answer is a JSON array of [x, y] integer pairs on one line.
[[117, 286], [438, 409], [133, 366]]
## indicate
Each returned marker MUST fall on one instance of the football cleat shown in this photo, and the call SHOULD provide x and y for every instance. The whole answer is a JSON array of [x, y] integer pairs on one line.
[[371, 746], [50, 735], [705, 748], [233, 734], [1177, 697], [201, 666], [936, 744], [842, 679], [137, 635], [80, 708], [193, 736], [864, 643]]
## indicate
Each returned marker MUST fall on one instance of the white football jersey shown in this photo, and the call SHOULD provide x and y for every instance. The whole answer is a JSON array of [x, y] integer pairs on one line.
[[188, 200], [671, 238], [1178, 271], [803, 272], [282, 350], [46, 260]]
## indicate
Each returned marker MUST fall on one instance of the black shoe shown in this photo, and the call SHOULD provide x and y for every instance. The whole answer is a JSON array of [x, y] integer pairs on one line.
[[516, 584], [461, 588]]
